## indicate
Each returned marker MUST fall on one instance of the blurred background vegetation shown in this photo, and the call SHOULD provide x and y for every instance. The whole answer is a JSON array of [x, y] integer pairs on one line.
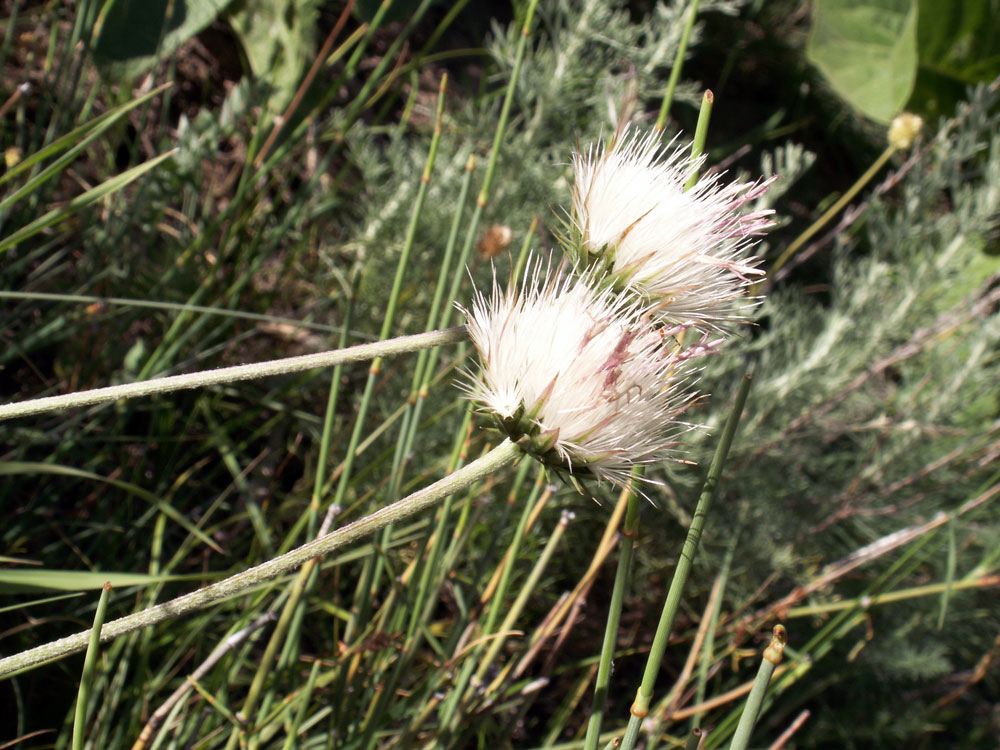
[[191, 184]]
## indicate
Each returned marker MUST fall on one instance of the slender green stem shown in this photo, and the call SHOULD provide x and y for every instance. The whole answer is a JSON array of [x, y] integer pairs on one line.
[[675, 72], [751, 711], [163, 715], [89, 667], [451, 710], [522, 257], [386, 59], [308, 575], [707, 656], [643, 696], [629, 530], [373, 565], [508, 563], [700, 133], [527, 590], [483, 197], [263, 670], [868, 601], [427, 358], [834, 209], [501, 456], [378, 349], [425, 598], [508, 100], [407, 436], [949, 574], [330, 415], [442, 279], [148, 304], [406, 428], [300, 715]]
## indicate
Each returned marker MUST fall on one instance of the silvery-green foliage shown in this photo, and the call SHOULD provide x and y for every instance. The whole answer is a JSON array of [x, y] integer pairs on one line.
[[198, 138], [789, 161], [590, 52]]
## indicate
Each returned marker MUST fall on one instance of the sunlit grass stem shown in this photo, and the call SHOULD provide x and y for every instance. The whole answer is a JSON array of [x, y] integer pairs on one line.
[[169, 707], [833, 210], [408, 427], [708, 648], [302, 580], [527, 589], [305, 581], [700, 134], [425, 368], [368, 572], [452, 711], [432, 576]]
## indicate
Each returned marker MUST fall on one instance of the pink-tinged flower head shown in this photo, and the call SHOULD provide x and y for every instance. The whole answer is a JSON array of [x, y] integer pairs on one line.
[[688, 251], [578, 375]]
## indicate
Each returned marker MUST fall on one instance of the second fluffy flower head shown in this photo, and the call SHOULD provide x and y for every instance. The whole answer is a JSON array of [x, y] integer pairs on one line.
[[689, 251], [576, 374]]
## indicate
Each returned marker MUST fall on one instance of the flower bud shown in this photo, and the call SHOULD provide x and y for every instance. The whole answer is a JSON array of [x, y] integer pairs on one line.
[[904, 130]]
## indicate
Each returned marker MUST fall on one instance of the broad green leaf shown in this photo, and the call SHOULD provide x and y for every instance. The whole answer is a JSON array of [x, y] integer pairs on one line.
[[136, 34], [19, 580], [867, 50], [959, 46], [279, 39]]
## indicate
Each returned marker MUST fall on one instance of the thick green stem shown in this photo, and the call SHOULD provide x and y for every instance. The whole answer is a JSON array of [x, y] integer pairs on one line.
[[772, 656], [501, 456]]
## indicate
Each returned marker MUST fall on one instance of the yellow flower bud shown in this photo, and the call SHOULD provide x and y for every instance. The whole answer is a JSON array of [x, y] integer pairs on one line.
[[904, 129]]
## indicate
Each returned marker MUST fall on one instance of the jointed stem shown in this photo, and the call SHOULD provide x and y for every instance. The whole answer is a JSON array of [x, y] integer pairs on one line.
[[644, 695]]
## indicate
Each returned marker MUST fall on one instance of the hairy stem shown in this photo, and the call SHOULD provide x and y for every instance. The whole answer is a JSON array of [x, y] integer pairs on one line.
[[502, 455], [400, 345]]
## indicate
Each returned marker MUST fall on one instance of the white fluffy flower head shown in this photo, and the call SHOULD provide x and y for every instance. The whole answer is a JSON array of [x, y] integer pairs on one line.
[[688, 251], [578, 376]]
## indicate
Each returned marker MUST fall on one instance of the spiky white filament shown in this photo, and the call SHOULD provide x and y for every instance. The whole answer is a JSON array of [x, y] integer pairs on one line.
[[688, 250], [586, 366]]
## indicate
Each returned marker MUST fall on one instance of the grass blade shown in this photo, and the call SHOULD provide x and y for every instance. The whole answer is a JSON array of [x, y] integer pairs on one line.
[[89, 667]]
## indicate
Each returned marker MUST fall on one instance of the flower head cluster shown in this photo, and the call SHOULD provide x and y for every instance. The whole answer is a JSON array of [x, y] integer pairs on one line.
[[689, 251], [590, 371], [577, 375]]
